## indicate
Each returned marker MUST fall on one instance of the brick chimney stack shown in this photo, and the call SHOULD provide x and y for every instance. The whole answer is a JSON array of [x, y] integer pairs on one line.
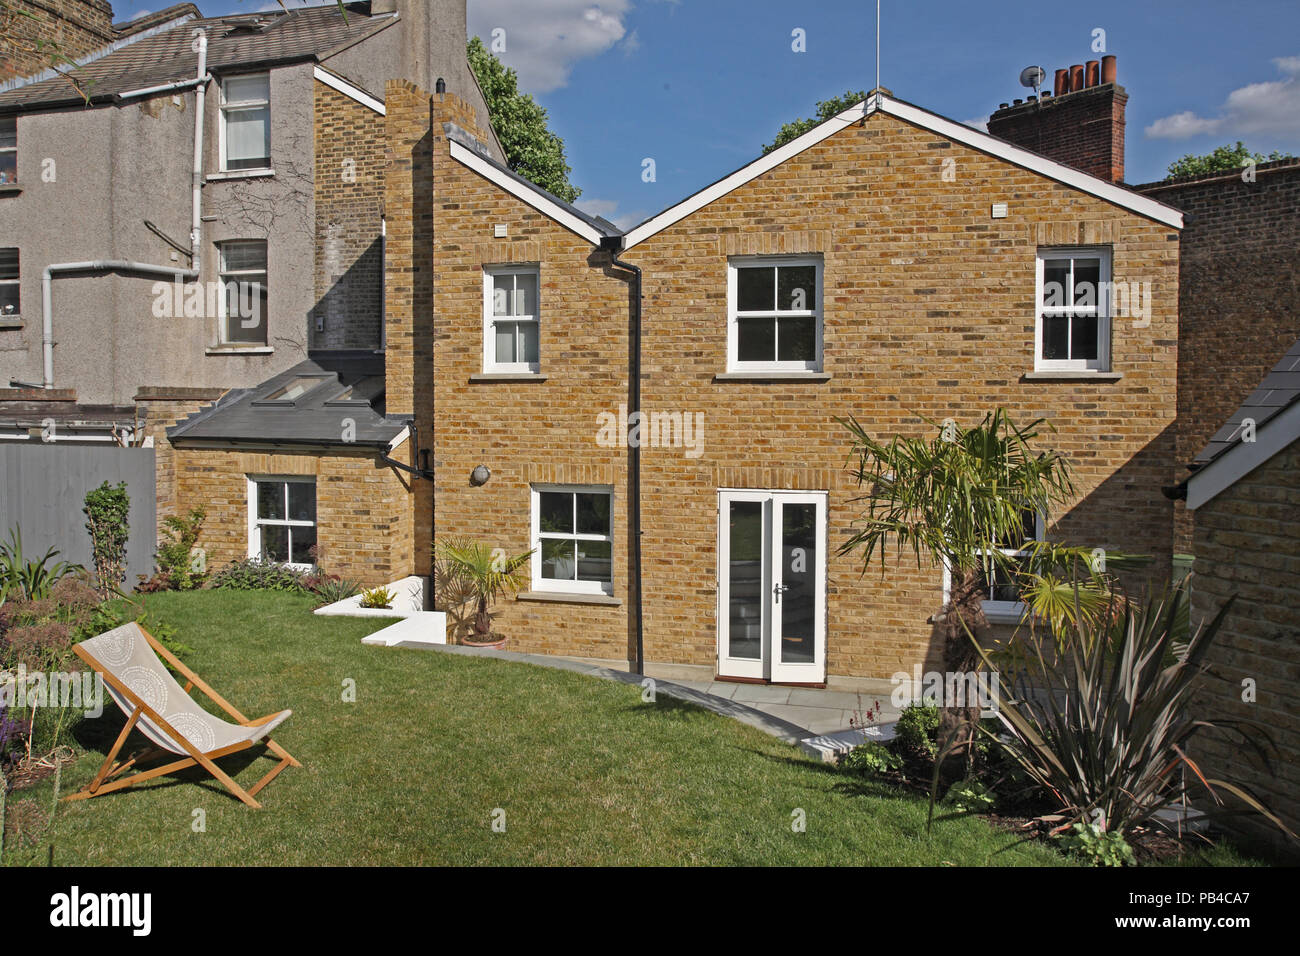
[[1080, 123]]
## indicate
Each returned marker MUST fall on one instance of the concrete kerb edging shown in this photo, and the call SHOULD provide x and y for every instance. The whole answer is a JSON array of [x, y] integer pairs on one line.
[[826, 747]]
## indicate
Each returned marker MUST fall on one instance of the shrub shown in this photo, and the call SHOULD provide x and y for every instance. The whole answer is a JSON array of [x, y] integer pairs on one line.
[[917, 729], [871, 757], [377, 598], [970, 796], [1097, 847], [1104, 725], [252, 574], [106, 511], [179, 567], [330, 588], [31, 579]]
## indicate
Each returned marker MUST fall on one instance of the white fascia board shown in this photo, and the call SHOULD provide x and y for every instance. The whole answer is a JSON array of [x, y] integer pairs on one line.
[[968, 136], [336, 82], [1244, 457], [746, 173], [533, 197]]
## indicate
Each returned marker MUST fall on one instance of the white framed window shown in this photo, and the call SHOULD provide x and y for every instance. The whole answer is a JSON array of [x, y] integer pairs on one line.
[[1072, 327], [10, 303], [282, 519], [8, 150], [243, 318], [245, 128], [774, 313], [573, 538], [1003, 602], [510, 319]]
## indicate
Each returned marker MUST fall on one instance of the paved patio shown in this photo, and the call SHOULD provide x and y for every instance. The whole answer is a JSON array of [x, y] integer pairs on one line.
[[818, 720]]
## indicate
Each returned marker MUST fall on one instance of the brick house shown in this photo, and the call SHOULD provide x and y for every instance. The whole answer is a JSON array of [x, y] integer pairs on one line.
[[890, 264], [1245, 496]]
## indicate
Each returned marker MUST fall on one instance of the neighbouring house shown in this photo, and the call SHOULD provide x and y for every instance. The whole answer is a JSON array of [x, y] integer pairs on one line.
[[1244, 493], [890, 264], [155, 256], [1239, 294]]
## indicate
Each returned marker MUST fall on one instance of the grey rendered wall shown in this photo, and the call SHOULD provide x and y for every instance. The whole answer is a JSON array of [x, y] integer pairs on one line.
[[44, 487], [116, 167]]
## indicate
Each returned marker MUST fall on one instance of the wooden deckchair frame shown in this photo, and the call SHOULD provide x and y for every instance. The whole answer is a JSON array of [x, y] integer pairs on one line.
[[104, 781]]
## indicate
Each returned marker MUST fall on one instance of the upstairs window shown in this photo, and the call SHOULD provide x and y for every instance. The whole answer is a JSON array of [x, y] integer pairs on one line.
[[246, 122], [243, 275], [10, 307], [8, 150], [775, 318], [1073, 326], [510, 319]]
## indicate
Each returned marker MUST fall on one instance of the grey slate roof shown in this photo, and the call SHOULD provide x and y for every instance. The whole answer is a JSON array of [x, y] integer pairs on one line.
[[234, 42], [245, 416], [1279, 390]]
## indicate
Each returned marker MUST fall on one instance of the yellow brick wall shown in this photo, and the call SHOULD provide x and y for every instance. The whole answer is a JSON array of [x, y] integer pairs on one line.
[[362, 507], [929, 311], [1247, 544]]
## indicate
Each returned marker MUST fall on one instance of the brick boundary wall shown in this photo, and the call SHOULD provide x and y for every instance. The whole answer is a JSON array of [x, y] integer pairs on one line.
[[1239, 297]]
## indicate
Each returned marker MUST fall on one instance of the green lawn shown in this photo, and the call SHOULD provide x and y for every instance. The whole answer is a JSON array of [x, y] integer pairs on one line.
[[412, 772]]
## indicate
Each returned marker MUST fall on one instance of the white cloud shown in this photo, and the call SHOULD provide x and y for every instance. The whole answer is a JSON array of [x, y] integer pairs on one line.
[[631, 44], [980, 123], [1270, 108], [544, 38], [608, 209], [138, 15]]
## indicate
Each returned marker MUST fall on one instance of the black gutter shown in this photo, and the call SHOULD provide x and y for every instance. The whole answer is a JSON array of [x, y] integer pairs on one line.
[[613, 245]]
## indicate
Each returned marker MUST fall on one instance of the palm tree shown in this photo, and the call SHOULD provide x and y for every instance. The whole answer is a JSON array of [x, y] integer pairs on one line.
[[955, 499], [470, 570]]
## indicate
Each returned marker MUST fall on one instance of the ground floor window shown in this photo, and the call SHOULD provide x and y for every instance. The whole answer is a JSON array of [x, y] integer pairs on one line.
[[573, 538], [1001, 583], [282, 520]]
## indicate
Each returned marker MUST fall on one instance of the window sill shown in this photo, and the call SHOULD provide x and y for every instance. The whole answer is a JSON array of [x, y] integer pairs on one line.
[[11, 322], [225, 174], [568, 597], [1066, 375], [772, 377], [483, 377], [10, 189], [237, 350]]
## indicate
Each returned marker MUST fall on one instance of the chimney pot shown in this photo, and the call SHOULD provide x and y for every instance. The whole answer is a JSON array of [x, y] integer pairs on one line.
[[1062, 84], [1109, 70], [1016, 102], [1076, 77], [1003, 106], [1093, 76]]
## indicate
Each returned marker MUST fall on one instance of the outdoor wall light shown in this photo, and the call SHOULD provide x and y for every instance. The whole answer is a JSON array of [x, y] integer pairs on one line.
[[479, 475]]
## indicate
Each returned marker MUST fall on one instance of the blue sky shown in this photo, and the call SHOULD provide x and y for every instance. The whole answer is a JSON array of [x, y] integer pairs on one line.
[[700, 85]]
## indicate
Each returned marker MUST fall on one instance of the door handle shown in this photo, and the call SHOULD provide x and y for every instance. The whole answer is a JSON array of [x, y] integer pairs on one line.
[[777, 589]]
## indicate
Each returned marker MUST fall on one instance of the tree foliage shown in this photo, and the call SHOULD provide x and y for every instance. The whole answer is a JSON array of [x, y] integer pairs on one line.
[[1222, 159], [106, 511], [825, 110], [531, 149]]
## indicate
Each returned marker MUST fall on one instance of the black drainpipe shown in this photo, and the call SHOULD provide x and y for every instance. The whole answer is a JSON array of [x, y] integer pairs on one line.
[[613, 245]]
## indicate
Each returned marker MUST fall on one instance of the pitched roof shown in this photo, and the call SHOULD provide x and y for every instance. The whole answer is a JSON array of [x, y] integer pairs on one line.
[[1273, 414], [350, 387], [164, 54], [468, 151], [917, 116]]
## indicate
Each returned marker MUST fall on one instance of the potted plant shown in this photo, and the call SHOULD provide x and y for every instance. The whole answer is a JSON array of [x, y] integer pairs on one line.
[[471, 571]]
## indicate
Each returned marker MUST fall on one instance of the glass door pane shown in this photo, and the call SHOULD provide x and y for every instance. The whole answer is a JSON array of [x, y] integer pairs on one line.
[[798, 582], [745, 595]]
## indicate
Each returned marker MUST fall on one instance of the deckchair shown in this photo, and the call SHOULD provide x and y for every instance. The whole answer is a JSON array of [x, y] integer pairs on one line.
[[156, 705]]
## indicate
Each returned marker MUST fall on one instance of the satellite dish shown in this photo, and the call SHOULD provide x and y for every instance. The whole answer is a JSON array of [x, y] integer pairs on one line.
[[1033, 76]]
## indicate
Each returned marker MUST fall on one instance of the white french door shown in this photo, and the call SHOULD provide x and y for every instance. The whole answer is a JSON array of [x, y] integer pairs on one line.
[[772, 585]]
